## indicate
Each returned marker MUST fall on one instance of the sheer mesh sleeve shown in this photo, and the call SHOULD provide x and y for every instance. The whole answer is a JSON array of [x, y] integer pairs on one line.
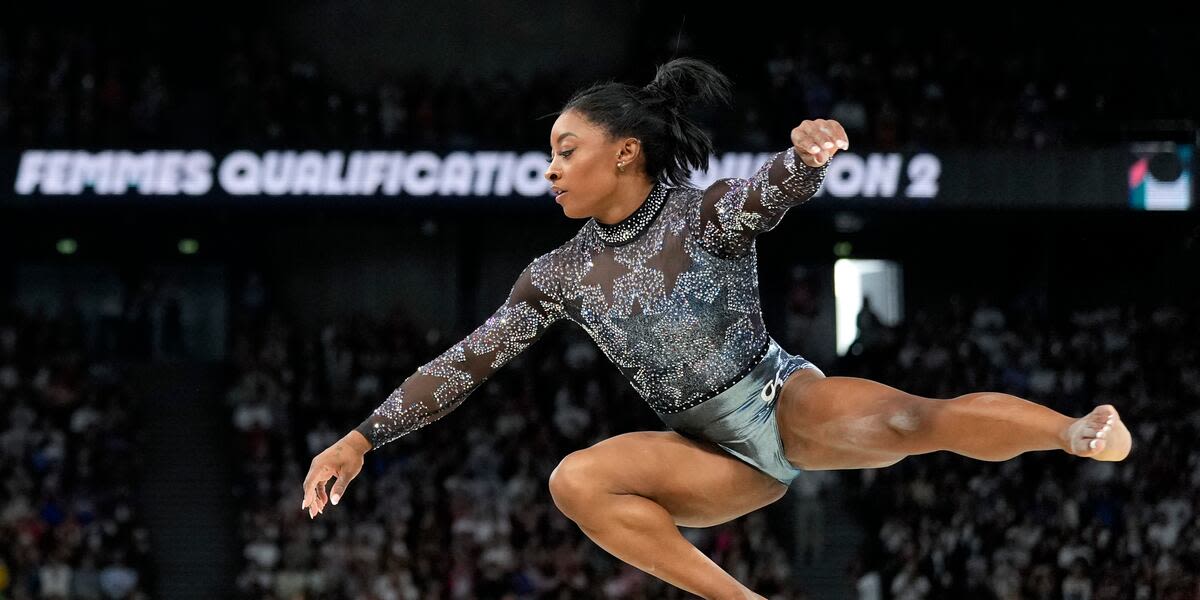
[[440, 385], [733, 211]]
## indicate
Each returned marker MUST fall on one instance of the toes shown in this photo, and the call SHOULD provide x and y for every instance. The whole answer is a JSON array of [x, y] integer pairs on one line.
[[1103, 422], [1092, 431], [1098, 431], [1092, 447], [1100, 421], [1095, 431]]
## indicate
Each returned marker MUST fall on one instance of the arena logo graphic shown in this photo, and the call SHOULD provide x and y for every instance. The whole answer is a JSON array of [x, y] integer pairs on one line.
[[387, 173]]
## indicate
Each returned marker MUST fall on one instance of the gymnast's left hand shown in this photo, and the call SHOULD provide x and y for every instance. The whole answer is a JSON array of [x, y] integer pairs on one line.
[[816, 141]]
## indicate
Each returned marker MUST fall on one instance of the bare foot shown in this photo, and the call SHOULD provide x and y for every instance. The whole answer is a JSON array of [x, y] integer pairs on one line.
[[1100, 435]]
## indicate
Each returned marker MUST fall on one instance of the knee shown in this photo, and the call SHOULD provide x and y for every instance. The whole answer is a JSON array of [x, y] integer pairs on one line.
[[572, 482]]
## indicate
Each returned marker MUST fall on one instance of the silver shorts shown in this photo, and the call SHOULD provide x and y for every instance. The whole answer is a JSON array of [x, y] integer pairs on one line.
[[741, 419]]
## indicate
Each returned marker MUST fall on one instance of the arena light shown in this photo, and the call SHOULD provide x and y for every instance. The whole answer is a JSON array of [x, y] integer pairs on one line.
[[188, 246], [853, 280]]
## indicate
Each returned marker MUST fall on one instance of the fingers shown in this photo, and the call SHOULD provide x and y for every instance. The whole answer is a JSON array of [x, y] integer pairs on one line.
[[343, 480], [309, 483], [837, 132], [322, 494], [809, 150], [813, 152], [314, 489], [818, 140]]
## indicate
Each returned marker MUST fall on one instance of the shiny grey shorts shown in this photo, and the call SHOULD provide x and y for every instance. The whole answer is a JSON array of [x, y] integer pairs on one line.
[[741, 419]]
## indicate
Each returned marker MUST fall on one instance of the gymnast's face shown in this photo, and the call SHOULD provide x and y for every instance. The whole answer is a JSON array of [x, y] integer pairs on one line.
[[583, 165]]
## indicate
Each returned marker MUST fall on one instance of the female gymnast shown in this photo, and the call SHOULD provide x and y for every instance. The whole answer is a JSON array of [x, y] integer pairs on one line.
[[663, 277]]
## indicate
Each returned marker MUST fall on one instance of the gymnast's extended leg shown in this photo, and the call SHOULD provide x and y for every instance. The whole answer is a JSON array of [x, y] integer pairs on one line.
[[848, 422]]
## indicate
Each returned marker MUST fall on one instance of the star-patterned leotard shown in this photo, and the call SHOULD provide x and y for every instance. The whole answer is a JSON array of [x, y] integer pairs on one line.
[[670, 295]]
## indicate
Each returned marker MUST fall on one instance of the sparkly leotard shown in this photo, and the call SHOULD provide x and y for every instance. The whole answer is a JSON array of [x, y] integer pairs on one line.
[[670, 295]]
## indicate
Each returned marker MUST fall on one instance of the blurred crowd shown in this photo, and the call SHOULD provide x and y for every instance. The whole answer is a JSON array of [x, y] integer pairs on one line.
[[892, 87], [1043, 525], [70, 526]]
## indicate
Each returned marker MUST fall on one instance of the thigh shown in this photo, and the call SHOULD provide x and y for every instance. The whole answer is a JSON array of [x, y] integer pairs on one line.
[[846, 422], [697, 482]]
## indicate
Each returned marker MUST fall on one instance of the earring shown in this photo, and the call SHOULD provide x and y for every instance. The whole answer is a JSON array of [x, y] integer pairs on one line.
[[621, 166]]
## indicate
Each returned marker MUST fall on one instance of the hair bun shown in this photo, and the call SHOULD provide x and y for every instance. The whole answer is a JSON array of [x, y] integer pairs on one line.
[[686, 82]]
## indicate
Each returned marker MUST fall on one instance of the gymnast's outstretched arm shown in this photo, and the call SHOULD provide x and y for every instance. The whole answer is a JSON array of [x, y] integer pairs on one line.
[[734, 211], [443, 383]]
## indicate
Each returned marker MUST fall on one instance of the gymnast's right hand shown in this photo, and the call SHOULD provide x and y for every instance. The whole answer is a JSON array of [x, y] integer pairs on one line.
[[344, 459]]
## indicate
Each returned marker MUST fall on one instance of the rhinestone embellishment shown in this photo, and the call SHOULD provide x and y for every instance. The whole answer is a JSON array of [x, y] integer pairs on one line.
[[632, 226]]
